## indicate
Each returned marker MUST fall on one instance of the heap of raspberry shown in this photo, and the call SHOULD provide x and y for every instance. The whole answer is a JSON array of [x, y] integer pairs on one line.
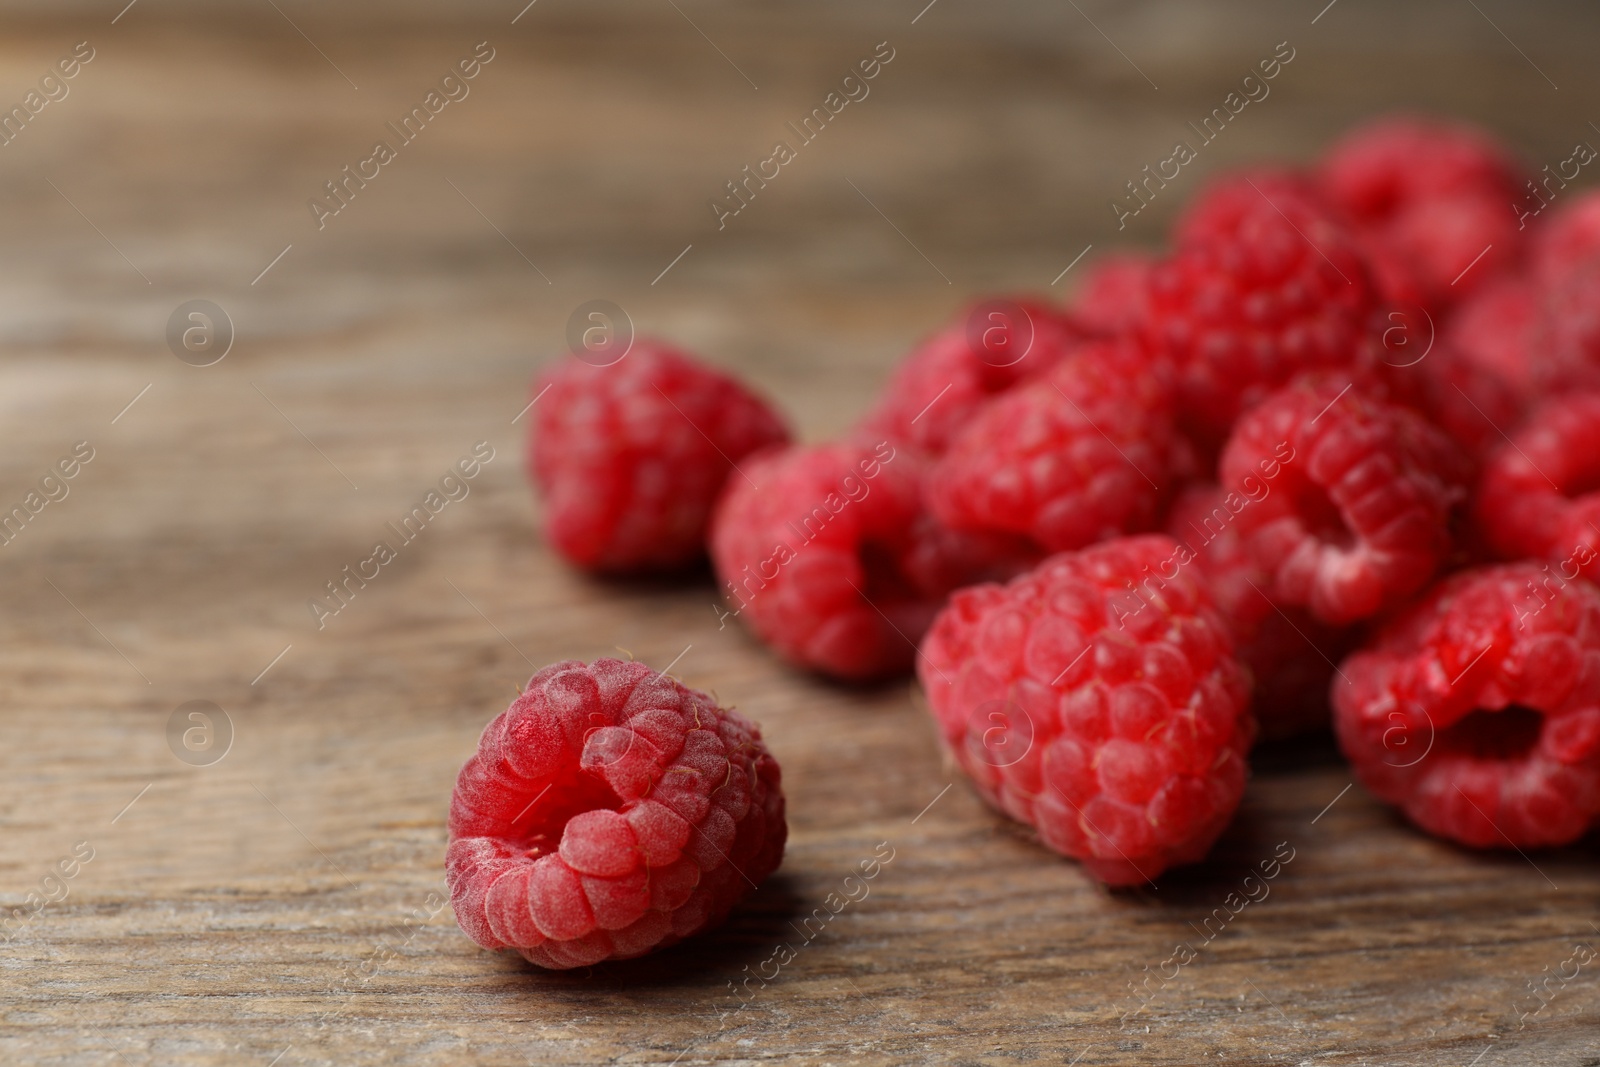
[[609, 812], [1477, 712], [1433, 199], [1068, 460], [1097, 699], [1357, 514], [630, 457], [1540, 493], [827, 553], [1267, 287], [949, 376]]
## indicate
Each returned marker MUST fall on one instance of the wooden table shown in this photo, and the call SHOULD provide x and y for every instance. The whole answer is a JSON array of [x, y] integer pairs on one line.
[[280, 905]]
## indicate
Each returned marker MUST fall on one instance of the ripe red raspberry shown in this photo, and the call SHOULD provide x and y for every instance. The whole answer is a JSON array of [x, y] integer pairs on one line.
[[1568, 240], [1290, 655], [1471, 402], [1566, 333], [1430, 196], [1539, 497], [1111, 297], [1477, 712], [1226, 203], [1351, 498], [1097, 699], [949, 376], [829, 556], [629, 457], [1494, 329], [1242, 310], [1071, 459], [609, 812]]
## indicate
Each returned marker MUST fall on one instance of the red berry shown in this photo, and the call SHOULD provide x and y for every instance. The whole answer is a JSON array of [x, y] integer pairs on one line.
[[1472, 403], [949, 376], [1111, 297], [1097, 699], [1477, 712], [826, 552], [1540, 493], [1351, 498], [1568, 240], [1494, 329], [1431, 198], [1566, 333], [1226, 203], [609, 812], [1242, 310], [1071, 459], [630, 457], [1290, 655]]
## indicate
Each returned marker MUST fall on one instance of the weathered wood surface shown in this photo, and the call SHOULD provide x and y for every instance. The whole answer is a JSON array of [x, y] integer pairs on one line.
[[274, 907]]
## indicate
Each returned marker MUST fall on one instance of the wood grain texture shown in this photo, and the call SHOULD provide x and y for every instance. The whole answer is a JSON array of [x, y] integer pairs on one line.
[[264, 909]]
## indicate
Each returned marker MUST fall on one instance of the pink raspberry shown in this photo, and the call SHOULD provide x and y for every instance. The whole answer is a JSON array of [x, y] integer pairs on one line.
[[948, 377], [1494, 327], [1539, 497], [609, 812], [1074, 458], [1097, 699], [1111, 298], [1351, 498], [1431, 197], [1242, 308], [630, 457], [828, 555], [1290, 655], [1567, 238], [1477, 712]]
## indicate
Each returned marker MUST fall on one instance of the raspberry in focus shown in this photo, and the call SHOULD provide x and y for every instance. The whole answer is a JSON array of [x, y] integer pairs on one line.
[[829, 556], [1071, 459], [1352, 498], [630, 457], [610, 812], [1097, 699], [1477, 712]]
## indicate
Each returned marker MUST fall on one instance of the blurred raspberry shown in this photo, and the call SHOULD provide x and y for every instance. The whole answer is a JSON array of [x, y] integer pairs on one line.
[[630, 457], [828, 555], [1071, 459], [610, 812], [1477, 712], [1429, 197], [1566, 333], [1358, 511], [1540, 493], [1097, 699], [1494, 329], [1226, 203], [1111, 298], [1290, 654], [1567, 238], [1472, 403], [948, 377], [1274, 289]]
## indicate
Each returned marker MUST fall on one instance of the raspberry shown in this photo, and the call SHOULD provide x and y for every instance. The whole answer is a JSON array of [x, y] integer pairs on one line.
[[1430, 197], [1539, 497], [1242, 309], [630, 457], [609, 812], [1566, 333], [1494, 329], [1569, 240], [1350, 498], [1069, 460], [1477, 712], [834, 562], [1227, 202], [1110, 299], [1132, 758], [1290, 655], [949, 376], [1471, 402]]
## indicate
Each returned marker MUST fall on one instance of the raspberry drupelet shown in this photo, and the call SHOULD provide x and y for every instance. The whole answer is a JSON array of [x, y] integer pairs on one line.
[[1477, 712], [609, 812], [1097, 699], [630, 457]]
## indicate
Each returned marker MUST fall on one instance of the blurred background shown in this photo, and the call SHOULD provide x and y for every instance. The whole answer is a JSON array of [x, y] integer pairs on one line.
[[370, 352]]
